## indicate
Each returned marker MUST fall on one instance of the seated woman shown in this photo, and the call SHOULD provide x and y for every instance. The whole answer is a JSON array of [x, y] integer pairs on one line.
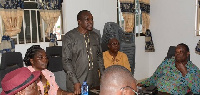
[[36, 60], [113, 56]]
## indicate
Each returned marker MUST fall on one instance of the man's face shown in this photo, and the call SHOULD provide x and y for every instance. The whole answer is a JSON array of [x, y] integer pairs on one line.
[[32, 89], [113, 45], [181, 54], [86, 21]]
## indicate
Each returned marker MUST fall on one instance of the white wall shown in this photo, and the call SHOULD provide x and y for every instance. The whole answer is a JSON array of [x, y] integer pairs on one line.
[[141, 59], [102, 10], [172, 22]]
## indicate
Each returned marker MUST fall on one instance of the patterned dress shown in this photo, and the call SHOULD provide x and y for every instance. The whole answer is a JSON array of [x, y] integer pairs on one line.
[[169, 79], [46, 88]]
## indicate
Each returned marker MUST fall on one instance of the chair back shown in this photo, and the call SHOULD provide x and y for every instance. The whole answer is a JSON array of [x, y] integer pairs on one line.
[[171, 52], [54, 54], [9, 62]]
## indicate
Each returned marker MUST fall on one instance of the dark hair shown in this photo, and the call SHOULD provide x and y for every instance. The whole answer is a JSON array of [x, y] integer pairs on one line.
[[184, 45], [30, 53], [79, 15]]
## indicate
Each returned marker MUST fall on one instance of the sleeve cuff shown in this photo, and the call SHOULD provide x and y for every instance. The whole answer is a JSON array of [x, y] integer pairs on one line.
[[72, 77]]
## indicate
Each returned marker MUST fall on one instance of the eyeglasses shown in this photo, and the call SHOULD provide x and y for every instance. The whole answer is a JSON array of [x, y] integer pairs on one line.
[[114, 44], [128, 87]]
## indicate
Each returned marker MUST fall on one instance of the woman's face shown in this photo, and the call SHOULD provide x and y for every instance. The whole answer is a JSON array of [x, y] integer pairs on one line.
[[40, 60]]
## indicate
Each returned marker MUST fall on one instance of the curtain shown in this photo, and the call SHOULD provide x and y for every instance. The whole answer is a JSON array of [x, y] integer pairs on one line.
[[197, 48], [12, 19], [50, 17], [12, 13], [128, 13], [50, 12], [145, 9]]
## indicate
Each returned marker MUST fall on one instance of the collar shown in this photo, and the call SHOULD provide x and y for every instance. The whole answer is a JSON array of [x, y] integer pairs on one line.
[[110, 56]]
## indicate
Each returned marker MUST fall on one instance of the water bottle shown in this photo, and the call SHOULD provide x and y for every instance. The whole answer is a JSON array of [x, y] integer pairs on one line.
[[84, 88]]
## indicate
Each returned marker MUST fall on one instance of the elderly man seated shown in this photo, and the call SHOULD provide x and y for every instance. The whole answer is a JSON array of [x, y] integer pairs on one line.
[[177, 75], [113, 56], [117, 80]]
